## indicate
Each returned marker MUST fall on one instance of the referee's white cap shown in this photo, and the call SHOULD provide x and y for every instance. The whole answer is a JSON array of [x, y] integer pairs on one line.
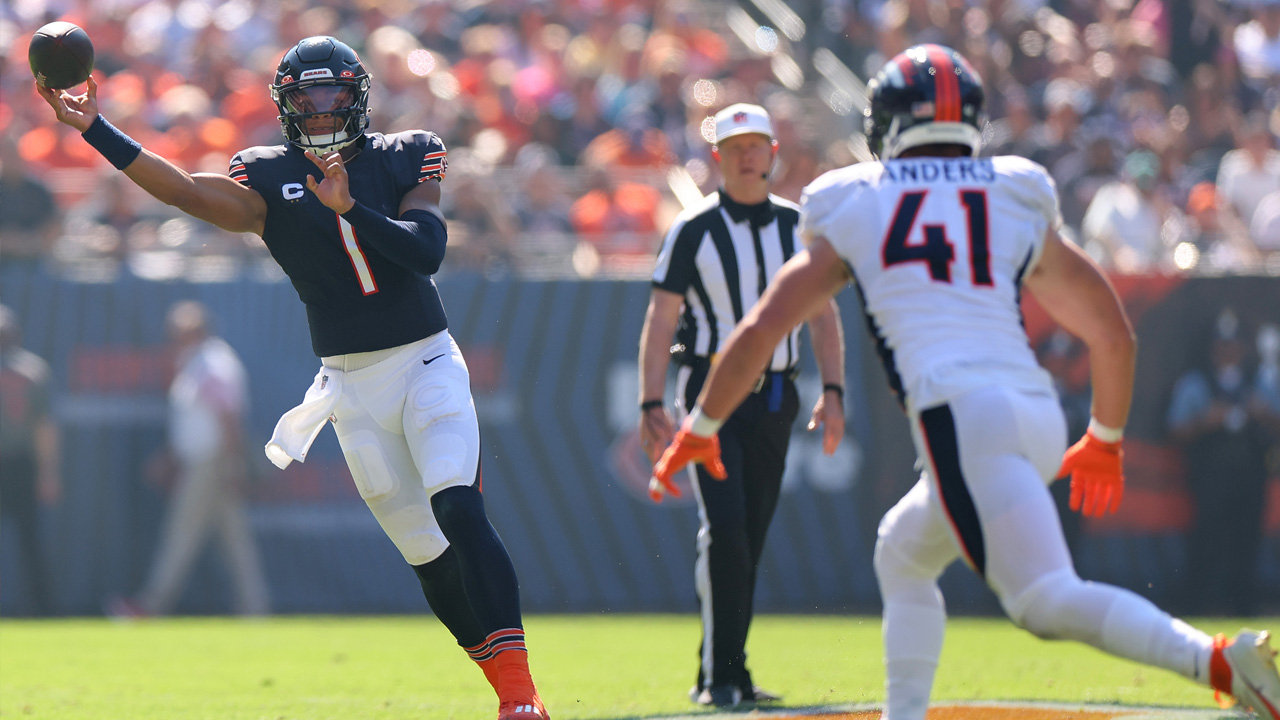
[[741, 118]]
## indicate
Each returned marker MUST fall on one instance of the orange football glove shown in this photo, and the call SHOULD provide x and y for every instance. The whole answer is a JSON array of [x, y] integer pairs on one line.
[[684, 449], [1096, 468]]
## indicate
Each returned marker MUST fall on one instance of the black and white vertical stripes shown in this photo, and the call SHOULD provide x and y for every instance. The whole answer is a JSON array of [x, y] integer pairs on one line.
[[721, 267]]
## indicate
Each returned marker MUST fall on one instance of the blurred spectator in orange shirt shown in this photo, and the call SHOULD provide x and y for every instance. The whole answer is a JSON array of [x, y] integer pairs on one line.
[[612, 206], [704, 51]]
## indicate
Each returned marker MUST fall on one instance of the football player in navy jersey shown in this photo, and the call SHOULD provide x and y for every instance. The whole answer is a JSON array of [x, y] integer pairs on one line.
[[353, 218]]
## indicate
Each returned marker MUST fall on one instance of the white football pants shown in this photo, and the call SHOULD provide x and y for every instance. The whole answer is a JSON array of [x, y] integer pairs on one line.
[[408, 429], [988, 456]]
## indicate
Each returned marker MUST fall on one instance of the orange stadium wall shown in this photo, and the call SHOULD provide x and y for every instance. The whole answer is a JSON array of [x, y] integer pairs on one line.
[[554, 377]]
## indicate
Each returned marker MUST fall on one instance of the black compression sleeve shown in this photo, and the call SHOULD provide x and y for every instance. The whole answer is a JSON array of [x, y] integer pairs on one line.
[[416, 240]]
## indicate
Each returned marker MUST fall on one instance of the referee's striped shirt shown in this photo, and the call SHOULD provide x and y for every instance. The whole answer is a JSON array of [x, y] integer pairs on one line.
[[720, 255]]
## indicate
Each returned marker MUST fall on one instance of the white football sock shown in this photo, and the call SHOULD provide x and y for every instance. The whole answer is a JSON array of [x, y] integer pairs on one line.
[[913, 634]]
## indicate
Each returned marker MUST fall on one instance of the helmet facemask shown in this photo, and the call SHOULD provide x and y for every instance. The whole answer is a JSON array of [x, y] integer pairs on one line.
[[325, 115]]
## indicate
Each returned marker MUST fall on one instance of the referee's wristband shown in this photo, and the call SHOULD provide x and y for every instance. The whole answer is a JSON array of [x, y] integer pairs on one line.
[[648, 405], [837, 389]]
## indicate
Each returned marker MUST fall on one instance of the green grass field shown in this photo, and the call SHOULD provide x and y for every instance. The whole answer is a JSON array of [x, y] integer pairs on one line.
[[587, 666]]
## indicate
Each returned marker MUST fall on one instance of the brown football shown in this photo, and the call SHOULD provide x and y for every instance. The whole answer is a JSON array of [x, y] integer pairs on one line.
[[61, 55]]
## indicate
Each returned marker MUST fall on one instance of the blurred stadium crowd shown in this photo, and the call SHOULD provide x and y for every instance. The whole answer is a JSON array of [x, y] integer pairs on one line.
[[577, 128]]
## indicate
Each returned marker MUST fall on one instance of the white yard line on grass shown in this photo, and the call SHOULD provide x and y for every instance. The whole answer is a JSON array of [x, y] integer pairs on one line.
[[1130, 712]]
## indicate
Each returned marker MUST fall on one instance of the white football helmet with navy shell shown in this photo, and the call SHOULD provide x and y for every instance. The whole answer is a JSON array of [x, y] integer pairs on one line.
[[322, 92], [925, 95]]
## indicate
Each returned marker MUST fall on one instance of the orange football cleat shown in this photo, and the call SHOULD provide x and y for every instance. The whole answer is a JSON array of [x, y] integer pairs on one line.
[[523, 710]]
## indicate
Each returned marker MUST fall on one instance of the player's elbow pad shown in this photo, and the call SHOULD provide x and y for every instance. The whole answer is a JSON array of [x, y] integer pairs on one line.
[[415, 241]]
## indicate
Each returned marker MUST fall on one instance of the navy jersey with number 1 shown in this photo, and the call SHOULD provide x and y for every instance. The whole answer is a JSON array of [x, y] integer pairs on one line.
[[357, 300]]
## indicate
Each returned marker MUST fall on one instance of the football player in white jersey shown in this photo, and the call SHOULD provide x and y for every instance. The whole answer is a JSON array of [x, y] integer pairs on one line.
[[940, 243]]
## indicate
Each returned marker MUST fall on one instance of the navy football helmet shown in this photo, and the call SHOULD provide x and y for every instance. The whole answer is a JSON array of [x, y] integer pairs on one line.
[[322, 92], [926, 95]]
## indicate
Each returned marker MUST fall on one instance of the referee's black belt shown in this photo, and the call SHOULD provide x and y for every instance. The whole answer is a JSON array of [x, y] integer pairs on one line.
[[766, 378]]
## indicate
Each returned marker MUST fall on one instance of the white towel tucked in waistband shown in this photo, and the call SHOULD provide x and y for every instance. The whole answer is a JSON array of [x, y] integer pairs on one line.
[[298, 428]]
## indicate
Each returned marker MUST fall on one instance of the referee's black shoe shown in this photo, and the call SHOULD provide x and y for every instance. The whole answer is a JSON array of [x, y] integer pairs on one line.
[[721, 696], [760, 695], [752, 693]]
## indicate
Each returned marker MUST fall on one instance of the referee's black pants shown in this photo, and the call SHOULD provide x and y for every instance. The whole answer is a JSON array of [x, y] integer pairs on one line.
[[735, 516]]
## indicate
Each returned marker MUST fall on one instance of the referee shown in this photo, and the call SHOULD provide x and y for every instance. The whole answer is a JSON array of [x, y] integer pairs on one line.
[[713, 266]]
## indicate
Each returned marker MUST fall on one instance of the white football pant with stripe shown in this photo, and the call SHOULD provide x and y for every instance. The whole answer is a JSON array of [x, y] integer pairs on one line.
[[989, 455]]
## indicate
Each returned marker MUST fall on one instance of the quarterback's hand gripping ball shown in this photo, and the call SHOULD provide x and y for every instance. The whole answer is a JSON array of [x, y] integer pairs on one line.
[[684, 449], [1097, 475]]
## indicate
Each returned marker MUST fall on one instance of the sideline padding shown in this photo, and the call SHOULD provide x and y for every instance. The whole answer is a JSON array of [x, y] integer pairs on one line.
[[981, 711]]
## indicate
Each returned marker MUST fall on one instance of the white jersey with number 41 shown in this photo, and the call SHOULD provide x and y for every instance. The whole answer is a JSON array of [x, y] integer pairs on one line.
[[939, 248]]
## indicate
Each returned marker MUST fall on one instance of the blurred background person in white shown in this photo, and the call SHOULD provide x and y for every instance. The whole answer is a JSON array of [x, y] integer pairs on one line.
[[1265, 228], [208, 400], [1257, 42], [1122, 225], [1251, 171]]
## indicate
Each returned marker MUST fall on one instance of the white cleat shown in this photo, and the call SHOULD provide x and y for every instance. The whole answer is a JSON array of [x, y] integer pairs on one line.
[[1247, 664]]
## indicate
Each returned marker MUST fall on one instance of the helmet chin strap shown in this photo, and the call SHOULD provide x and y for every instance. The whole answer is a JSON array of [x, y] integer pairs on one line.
[[325, 143]]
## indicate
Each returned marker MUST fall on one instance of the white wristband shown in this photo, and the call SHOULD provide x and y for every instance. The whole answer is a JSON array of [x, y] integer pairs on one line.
[[1104, 433], [699, 424]]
